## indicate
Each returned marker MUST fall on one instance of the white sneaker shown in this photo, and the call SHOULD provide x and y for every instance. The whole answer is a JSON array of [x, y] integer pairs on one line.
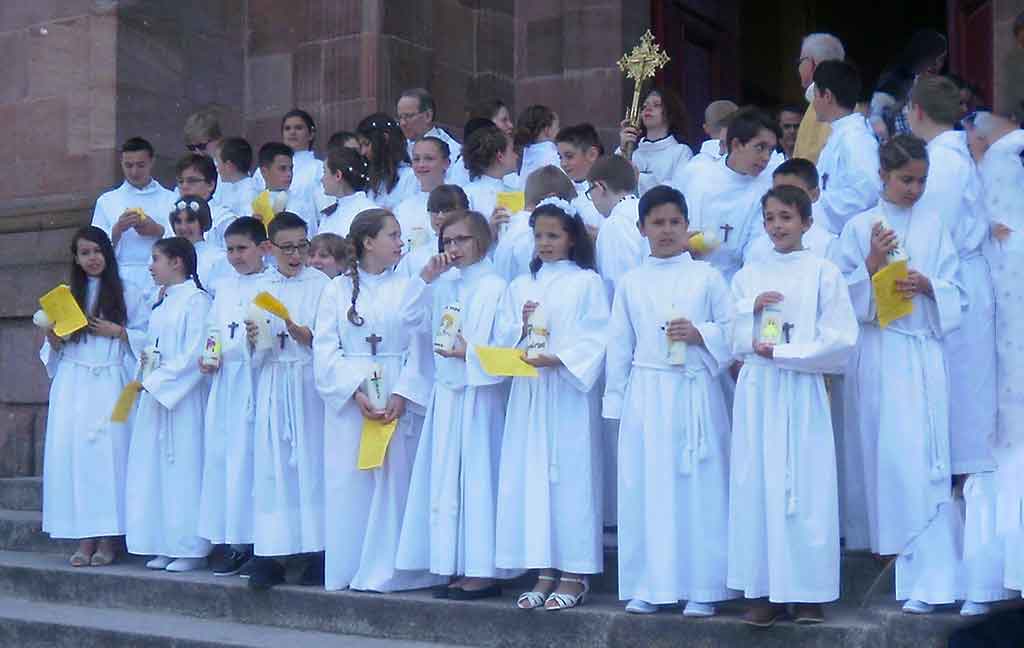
[[159, 562], [913, 606], [970, 608], [695, 609], [186, 564], [636, 606]]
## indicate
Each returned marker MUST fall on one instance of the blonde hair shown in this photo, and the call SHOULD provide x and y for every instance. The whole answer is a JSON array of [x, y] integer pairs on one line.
[[203, 124]]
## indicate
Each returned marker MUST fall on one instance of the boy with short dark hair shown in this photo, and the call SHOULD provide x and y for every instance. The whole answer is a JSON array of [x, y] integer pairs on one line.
[[236, 189], [275, 162], [619, 246], [578, 148]]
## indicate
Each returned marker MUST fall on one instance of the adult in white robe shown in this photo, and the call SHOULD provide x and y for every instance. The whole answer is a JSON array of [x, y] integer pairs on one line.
[[658, 161], [783, 487], [364, 508], [86, 454], [848, 168], [133, 250], [549, 492], [288, 471], [165, 458], [226, 504], [337, 219], [449, 523], [673, 477], [899, 384]]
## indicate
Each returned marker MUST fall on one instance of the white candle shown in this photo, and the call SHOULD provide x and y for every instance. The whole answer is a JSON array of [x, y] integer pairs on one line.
[[448, 330], [537, 334]]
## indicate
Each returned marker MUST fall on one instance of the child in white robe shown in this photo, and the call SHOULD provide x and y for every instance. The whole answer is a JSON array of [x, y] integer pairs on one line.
[[659, 151], [191, 219], [392, 179], [298, 132], [514, 252], [442, 201], [345, 179], [578, 148], [361, 337], [536, 129], [783, 486], [449, 524], [236, 189], [86, 453], [165, 458], [716, 126], [549, 492], [328, 253], [489, 156], [674, 426], [288, 468], [900, 381], [226, 506], [620, 247], [430, 163]]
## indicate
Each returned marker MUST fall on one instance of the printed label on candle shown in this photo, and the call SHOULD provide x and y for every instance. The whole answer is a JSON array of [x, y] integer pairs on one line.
[[374, 386], [771, 324], [537, 333], [449, 328], [897, 253], [676, 353], [211, 350], [150, 361]]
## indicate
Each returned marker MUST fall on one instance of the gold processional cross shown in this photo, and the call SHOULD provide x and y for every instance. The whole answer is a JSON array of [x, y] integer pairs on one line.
[[640, 65]]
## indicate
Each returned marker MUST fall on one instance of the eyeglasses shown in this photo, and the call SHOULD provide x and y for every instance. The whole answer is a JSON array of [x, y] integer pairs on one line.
[[456, 241], [290, 250], [409, 116], [800, 60], [196, 148], [190, 180]]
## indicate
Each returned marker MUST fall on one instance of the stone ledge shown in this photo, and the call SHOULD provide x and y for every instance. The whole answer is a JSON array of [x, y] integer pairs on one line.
[[47, 213]]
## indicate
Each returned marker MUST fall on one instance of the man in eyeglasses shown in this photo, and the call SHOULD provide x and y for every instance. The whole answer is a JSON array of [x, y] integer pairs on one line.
[[415, 113], [135, 214], [789, 121], [815, 50]]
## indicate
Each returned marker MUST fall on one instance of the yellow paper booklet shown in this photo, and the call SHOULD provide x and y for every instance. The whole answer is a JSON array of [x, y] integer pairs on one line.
[[889, 302], [502, 361], [272, 305], [262, 209], [373, 444], [62, 309], [513, 201], [125, 402]]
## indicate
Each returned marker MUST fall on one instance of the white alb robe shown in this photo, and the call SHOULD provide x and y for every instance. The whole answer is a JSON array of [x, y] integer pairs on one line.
[[134, 251], [307, 171], [550, 481], [449, 522], [363, 509], [658, 161], [898, 386], [414, 220], [585, 206], [514, 251], [536, 156], [212, 265], [673, 477], [339, 220], [848, 168], [685, 174], [288, 470], [86, 454], [226, 504], [165, 458], [483, 193], [236, 197], [783, 487], [620, 246], [817, 240], [408, 184]]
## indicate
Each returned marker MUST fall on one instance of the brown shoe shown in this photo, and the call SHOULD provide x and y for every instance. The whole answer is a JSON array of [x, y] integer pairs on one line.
[[763, 614], [808, 613]]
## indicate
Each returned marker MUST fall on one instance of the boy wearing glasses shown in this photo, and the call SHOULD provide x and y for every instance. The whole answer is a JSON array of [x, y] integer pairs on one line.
[[288, 450]]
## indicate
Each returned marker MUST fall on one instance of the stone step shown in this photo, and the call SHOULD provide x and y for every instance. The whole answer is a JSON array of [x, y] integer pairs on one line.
[[21, 493], [23, 531], [418, 616], [32, 624]]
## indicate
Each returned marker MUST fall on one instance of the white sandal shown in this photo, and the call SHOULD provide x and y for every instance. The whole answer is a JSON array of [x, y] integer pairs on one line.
[[534, 599], [565, 601]]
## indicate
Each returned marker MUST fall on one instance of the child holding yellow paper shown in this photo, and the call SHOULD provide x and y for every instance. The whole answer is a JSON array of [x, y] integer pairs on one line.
[[86, 453], [549, 493], [361, 340], [165, 460], [490, 156], [288, 462], [900, 387], [449, 516]]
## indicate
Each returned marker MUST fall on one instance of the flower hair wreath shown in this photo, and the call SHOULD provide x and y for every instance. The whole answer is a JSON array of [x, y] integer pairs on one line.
[[190, 205], [560, 203]]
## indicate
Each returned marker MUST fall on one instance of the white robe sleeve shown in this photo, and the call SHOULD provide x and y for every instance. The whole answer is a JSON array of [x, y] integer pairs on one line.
[[744, 297], [177, 376], [836, 330], [584, 359], [716, 331], [101, 220], [336, 380], [854, 188], [50, 358], [417, 377], [138, 321], [619, 356], [850, 257], [483, 328], [945, 310]]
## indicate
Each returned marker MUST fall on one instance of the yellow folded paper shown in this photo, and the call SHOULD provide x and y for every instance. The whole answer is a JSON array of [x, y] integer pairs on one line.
[[62, 309], [513, 201], [125, 402], [272, 305], [502, 361], [373, 444], [263, 209], [889, 302]]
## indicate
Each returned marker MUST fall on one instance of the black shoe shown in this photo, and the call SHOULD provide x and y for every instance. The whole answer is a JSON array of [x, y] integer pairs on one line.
[[491, 591], [265, 573], [246, 569], [230, 562], [313, 574]]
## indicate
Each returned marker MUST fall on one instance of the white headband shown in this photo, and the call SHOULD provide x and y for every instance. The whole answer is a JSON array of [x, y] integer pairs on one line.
[[555, 201]]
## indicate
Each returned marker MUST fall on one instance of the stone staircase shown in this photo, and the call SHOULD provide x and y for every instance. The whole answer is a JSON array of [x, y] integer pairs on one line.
[[46, 602]]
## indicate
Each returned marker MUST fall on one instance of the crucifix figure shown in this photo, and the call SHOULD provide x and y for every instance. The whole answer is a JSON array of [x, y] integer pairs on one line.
[[786, 328], [640, 65], [233, 326], [374, 340], [283, 336], [726, 229]]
